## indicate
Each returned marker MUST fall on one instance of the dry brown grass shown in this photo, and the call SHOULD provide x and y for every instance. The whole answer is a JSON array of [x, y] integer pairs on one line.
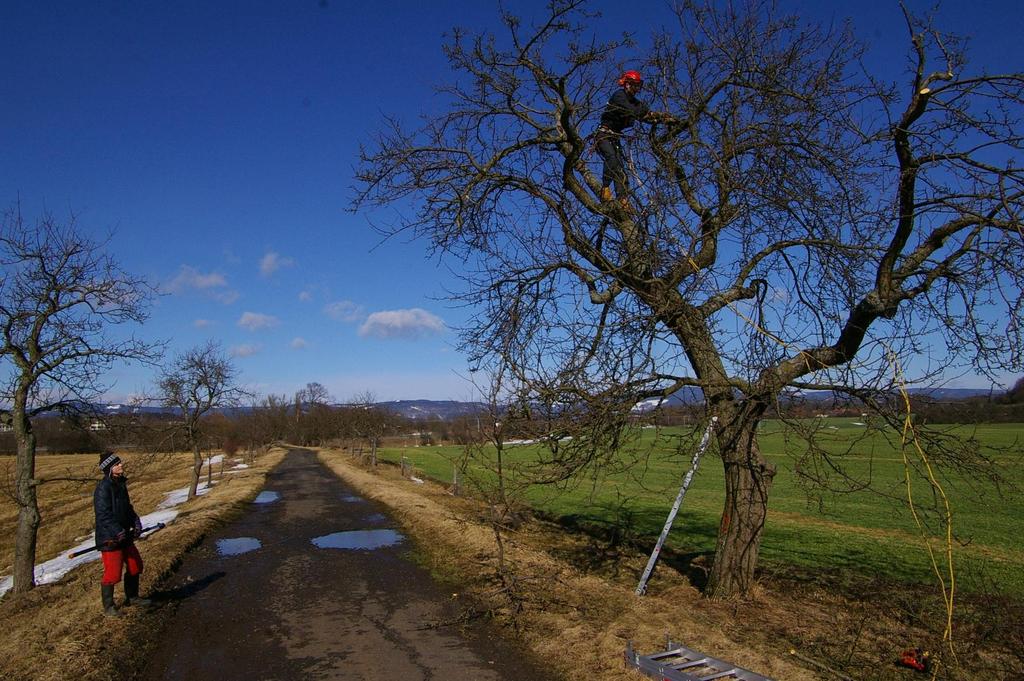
[[57, 631], [577, 621]]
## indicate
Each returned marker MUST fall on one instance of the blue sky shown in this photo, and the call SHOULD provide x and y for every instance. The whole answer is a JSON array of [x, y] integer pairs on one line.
[[217, 141]]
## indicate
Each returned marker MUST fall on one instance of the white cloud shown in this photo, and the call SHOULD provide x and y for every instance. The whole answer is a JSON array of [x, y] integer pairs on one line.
[[272, 262], [244, 350], [255, 321], [344, 311], [202, 323], [212, 284], [414, 323], [227, 297], [305, 296], [191, 278], [299, 343]]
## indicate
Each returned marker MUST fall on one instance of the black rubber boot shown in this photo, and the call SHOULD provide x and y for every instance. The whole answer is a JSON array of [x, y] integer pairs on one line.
[[107, 593], [131, 592]]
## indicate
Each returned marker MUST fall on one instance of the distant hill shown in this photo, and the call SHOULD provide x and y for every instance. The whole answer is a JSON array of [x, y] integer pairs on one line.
[[424, 410], [411, 409], [690, 395], [941, 394], [954, 394]]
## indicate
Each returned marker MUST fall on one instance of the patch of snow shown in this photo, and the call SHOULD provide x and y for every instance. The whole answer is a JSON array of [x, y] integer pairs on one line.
[[180, 496], [52, 570], [416, 480], [647, 405], [165, 516], [533, 442]]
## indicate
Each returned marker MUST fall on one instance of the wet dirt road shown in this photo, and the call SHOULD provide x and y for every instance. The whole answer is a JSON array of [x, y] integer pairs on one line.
[[292, 610]]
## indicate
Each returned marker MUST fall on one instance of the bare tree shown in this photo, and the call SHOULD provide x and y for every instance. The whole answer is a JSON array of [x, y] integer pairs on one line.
[[271, 417], [313, 414], [796, 224], [489, 468], [194, 383], [60, 294], [315, 394], [369, 421]]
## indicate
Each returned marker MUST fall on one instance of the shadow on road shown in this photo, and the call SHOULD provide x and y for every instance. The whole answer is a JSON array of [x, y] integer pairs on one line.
[[187, 590]]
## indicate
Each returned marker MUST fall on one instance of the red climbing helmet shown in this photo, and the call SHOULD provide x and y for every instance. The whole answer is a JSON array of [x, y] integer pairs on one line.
[[631, 77]]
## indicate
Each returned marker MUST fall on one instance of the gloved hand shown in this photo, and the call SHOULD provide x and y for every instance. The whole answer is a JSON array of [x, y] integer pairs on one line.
[[660, 117], [121, 537], [138, 527]]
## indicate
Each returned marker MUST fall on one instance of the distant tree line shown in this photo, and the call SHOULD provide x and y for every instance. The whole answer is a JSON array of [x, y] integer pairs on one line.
[[1003, 408], [1000, 407], [271, 419], [309, 418]]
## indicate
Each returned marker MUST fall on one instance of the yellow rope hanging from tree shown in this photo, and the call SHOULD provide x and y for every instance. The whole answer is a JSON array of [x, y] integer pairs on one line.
[[910, 443]]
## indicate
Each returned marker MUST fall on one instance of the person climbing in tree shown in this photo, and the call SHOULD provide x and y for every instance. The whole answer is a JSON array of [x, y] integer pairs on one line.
[[622, 111], [117, 526]]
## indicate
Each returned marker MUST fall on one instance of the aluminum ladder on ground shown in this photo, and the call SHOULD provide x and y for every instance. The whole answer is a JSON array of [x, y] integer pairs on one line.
[[679, 663]]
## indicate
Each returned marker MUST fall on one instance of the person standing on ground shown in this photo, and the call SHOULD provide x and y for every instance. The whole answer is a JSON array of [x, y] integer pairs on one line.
[[622, 110], [117, 526]]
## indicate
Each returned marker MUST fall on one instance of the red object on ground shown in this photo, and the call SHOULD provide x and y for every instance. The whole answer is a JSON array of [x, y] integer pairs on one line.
[[915, 658]]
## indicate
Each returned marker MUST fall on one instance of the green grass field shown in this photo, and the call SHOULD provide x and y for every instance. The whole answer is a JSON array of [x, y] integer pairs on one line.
[[855, 532]]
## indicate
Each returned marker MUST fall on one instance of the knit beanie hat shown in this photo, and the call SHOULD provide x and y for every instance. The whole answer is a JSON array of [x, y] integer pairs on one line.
[[108, 460]]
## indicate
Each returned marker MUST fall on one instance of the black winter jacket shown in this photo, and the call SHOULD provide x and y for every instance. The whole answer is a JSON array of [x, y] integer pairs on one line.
[[622, 111], [114, 513]]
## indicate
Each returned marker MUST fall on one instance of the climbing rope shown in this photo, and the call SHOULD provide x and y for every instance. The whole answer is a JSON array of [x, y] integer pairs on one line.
[[911, 442]]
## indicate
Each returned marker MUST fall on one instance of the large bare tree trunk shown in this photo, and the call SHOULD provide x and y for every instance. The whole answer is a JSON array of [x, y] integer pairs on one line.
[[25, 495], [748, 475], [748, 480]]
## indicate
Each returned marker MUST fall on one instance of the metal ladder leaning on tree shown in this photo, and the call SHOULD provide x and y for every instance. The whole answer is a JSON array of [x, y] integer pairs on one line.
[[642, 586]]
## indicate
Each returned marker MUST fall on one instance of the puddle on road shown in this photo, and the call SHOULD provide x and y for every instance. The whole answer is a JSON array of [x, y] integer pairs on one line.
[[238, 545], [350, 498], [358, 539], [266, 497]]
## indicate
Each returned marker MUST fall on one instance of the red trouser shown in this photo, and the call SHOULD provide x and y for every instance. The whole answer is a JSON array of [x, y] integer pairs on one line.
[[113, 561]]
